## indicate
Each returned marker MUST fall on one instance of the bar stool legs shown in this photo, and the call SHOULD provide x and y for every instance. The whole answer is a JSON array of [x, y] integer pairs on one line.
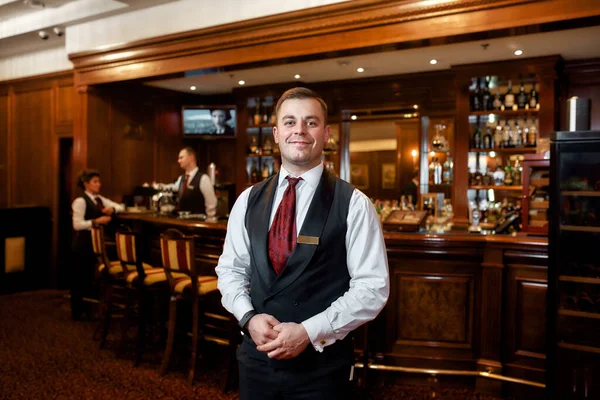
[[171, 335]]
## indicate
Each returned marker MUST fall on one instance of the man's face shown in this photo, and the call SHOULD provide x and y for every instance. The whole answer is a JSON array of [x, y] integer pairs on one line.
[[185, 160], [93, 185], [301, 134], [218, 117]]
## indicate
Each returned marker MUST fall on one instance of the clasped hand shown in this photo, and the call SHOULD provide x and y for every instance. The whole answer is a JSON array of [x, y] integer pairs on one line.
[[280, 341]]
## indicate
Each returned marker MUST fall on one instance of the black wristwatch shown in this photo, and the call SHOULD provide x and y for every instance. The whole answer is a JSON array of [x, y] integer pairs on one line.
[[243, 324]]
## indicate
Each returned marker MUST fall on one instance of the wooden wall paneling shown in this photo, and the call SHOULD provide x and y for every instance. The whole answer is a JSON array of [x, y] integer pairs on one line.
[[64, 107], [168, 143], [32, 175], [462, 141], [348, 25], [4, 150], [96, 134], [408, 135], [583, 80]]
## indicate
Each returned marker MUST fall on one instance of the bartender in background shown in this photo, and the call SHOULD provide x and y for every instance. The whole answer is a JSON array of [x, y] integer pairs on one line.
[[196, 191], [412, 187], [89, 209]]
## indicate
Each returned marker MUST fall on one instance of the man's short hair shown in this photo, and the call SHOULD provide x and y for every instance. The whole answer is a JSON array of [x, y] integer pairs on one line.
[[86, 175], [191, 152], [301, 93], [227, 113]]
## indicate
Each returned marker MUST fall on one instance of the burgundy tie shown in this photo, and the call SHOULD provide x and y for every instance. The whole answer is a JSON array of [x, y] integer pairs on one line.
[[185, 184], [282, 236], [99, 203]]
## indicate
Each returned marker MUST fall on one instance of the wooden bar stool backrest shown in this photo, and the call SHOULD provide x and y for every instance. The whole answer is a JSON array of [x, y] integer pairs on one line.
[[178, 257], [99, 248], [128, 250]]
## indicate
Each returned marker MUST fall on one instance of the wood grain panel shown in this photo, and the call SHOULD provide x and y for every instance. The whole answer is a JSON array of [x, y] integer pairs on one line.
[[64, 109], [531, 317], [4, 182], [433, 308], [33, 159]]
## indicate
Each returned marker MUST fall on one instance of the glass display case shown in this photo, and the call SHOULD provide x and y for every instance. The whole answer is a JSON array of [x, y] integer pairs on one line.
[[536, 195], [574, 266]]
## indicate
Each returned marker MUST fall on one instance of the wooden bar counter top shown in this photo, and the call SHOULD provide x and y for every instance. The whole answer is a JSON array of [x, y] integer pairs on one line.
[[458, 300]]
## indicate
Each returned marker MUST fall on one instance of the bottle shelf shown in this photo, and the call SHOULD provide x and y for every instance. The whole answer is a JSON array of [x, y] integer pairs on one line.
[[575, 228], [578, 347], [580, 193], [512, 188], [582, 314], [579, 279], [260, 126], [507, 113], [506, 150]]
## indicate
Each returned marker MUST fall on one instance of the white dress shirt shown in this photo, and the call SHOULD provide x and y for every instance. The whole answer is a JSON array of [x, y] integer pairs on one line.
[[206, 187], [79, 206], [366, 260]]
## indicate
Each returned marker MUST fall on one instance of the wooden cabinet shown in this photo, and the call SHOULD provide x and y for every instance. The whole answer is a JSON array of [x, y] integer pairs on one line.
[[536, 194]]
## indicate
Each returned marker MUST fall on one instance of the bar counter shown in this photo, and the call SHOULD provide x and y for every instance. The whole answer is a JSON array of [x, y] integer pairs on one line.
[[458, 301]]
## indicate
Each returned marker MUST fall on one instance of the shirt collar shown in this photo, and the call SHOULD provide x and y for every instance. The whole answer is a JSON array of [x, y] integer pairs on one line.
[[191, 174], [311, 177], [91, 196]]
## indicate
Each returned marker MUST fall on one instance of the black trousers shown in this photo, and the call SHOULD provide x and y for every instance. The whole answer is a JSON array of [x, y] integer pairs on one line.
[[82, 272], [259, 381]]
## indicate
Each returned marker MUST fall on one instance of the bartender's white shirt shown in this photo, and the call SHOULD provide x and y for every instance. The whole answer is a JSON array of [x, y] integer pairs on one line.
[[366, 260], [206, 187], [79, 206]]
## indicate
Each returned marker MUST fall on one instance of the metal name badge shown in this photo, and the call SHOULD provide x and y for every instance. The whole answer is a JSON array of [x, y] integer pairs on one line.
[[308, 240]]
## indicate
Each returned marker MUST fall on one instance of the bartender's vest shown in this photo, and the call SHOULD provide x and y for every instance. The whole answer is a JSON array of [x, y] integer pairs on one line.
[[192, 200], [82, 240], [315, 274]]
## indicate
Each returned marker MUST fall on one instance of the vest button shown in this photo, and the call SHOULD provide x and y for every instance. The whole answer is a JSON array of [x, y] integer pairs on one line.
[[295, 302]]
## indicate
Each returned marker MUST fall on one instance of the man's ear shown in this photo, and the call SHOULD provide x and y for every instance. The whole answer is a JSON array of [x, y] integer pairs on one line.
[[275, 135]]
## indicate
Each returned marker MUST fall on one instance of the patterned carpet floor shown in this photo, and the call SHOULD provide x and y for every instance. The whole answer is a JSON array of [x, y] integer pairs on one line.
[[46, 355]]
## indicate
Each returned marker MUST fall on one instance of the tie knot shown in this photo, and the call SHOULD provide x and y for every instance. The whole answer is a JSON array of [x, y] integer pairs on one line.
[[293, 181]]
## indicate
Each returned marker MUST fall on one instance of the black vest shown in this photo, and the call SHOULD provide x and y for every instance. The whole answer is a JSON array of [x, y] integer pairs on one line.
[[82, 240], [192, 200], [314, 276]]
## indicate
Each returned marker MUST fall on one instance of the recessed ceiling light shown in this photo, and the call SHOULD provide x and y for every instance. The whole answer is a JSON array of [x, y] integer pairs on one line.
[[360, 69], [192, 87], [518, 52], [416, 107], [297, 76], [353, 118], [433, 61], [241, 83]]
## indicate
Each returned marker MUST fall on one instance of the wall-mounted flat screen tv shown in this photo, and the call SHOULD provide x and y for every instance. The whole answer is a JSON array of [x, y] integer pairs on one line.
[[209, 121]]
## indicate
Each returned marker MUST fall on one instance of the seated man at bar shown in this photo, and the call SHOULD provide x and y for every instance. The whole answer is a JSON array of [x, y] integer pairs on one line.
[[304, 264], [88, 209], [195, 190]]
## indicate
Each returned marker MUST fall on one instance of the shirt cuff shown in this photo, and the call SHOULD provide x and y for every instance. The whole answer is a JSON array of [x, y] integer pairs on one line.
[[242, 306], [319, 332]]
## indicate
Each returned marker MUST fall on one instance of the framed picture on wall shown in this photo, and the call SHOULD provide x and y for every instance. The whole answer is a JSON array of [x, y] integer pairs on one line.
[[388, 176], [359, 176]]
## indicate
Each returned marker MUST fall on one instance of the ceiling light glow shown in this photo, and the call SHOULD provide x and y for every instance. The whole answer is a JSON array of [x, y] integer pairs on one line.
[[241, 83], [518, 52], [297, 76], [433, 61], [353, 118], [360, 70], [192, 87]]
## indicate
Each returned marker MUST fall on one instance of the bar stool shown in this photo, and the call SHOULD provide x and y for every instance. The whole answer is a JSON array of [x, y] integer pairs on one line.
[[141, 282], [179, 263]]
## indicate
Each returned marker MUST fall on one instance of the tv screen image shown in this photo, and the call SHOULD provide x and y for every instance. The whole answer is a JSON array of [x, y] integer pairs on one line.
[[215, 121]]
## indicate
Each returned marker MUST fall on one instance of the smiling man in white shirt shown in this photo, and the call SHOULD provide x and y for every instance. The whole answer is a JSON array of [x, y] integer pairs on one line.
[[304, 264]]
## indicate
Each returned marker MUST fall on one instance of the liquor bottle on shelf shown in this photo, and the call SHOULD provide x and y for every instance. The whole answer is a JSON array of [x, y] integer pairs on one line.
[[265, 172], [447, 170], [517, 173], [254, 174], [487, 102], [253, 147], [499, 175], [524, 131], [265, 117], [488, 138], [506, 136], [437, 172], [522, 97], [476, 98], [257, 113], [508, 174], [497, 102], [477, 139], [532, 134], [487, 178], [498, 136], [509, 98], [431, 170], [516, 135], [533, 99]]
